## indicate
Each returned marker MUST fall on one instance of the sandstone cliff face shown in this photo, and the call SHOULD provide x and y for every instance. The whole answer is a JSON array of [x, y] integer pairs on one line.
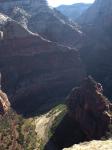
[[40, 18], [90, 109], [32, 66]]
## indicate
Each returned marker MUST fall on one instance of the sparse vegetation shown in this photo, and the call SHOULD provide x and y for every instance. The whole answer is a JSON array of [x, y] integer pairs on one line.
[[20, 134], [46, 124], [109, 133], [62, 109], [17, 133]]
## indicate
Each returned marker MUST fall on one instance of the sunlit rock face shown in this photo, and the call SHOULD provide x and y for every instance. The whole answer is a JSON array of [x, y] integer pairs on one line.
[[15, 9], [32, 66], [88, 106], [37, 16], [102, 145], [4, 103], [7, 5]]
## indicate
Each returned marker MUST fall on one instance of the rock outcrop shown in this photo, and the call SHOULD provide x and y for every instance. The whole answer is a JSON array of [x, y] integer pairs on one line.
[[88, 107], [37, 16], [35, 66], [4, 103], [98, 145]]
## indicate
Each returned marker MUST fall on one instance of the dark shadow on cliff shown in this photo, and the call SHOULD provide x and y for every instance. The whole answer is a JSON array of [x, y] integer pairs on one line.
[[34, 109], [33, 104], [66, 134]]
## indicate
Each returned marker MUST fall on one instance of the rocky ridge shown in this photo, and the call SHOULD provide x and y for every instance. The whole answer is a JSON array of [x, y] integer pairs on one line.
[[88, 107], [37, 16]]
